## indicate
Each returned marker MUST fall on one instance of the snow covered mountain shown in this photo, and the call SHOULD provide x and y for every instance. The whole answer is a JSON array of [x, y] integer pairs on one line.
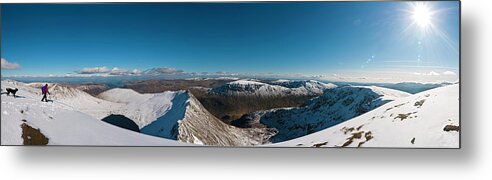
[[176, 115], [309, 87], [27, 120], [179, 115], [335, 106], [276, 88], [429, 119]]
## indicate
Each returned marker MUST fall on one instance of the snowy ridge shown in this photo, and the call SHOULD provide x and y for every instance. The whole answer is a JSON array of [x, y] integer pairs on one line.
[[179, 115], [276, 88], [63, 125], [143, 109], [309, 87], [429, 119], [333, 107], [245, 87], [197, 120]]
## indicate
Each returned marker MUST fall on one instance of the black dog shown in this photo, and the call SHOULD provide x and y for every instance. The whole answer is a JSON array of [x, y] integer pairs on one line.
[[13, 91]]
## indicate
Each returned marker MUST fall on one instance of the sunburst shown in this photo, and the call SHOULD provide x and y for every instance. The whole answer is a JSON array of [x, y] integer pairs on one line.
[[422, 14]]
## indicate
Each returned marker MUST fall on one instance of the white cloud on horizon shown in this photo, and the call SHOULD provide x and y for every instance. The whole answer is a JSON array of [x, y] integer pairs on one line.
[[431, 73], [116, 71], [451, 73], [94, 70], [9, 65], [119, 71]]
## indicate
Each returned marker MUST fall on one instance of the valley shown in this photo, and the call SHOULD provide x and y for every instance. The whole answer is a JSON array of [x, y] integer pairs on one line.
[[226, 107]]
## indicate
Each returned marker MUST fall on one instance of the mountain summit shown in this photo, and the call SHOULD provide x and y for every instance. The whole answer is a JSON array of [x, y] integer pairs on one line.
[[274, 88]]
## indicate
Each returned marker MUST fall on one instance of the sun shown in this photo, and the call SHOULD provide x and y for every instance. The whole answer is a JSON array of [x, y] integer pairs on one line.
[[422, 15]]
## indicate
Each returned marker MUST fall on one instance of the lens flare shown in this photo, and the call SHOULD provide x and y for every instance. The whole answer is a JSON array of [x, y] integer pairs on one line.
[[422, 15]]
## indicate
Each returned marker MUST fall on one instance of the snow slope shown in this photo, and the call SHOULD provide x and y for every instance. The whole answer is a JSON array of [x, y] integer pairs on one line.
[[336, 105], [276, 88], [62, 124], [416, 121], [179, 115], [77, 99]]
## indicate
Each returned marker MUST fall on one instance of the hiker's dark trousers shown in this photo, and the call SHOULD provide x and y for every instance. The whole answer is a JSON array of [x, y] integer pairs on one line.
[[44, 98]]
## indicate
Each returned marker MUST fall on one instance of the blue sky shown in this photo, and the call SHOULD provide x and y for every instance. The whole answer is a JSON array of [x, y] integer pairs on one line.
[[323, 39]]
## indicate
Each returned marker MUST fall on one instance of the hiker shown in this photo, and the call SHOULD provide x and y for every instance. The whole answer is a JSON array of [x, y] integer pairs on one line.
[[44, 91]]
